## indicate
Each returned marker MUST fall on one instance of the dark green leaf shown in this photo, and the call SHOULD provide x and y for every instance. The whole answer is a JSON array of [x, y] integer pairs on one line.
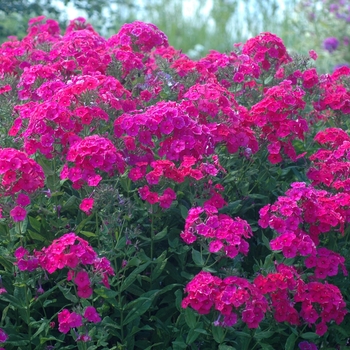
[[290, 343]]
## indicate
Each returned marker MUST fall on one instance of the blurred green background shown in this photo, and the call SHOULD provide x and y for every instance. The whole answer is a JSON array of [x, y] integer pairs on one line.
[[197, 26]]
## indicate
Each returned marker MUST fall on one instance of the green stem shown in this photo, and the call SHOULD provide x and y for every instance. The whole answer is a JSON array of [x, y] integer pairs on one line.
[[121, 313], [28, 319], [97, 231], [20, 233], [152, 244]]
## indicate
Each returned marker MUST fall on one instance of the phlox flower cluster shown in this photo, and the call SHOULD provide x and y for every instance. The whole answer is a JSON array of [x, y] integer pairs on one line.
[[283, 292], [53, 122], [19, 175], [227, 236], [237, 295], [277, 114], [85, 268], [176, 131], [88, 155], [216, 108], [335, 97], [202, 291], [330, 165], [320, 304], [164, 200], [25, 261], [68, 320], [326, 263], [140, 36], [165, 169], [267, 50], [74, 253], [279, 288], [230, 296], [231, 69], [303, 206]]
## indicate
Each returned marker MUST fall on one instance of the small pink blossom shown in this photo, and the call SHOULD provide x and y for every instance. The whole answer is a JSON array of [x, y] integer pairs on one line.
[[313, 55], [82, 279], [3, 336], [91, 315], [84, 292], [86, 205], [20, 252], [23, 200], [18, 213]]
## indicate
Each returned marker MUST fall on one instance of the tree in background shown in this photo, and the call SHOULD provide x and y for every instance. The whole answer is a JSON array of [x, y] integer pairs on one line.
[[193, 26], [14, 15], [197, 26], [326, 25]]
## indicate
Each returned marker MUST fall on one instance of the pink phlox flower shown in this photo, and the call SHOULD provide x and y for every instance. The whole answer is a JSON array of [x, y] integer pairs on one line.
[[91, 315]]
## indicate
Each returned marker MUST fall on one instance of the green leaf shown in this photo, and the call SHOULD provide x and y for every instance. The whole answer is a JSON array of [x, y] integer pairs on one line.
[[132, 277], [8, 265], [17, 299], [190, 318], [183, 211], [179, 344], [263, 335], [44, 324], [81, 225], [178, 299], [36, 236], [268, 80], [231, 208], [106, 293], [160, 265], [257, 196], [140, 306], [345, 333], [161, 234], [68, 295], [46, 339], [197, 258], [191, 336], [226, 347], [20, 229], [48, 302], [310, 336], [266, 241], [4, 313], [290, 343], [218, 334], [88, 234], [34, 223], [266, 346], [71, 202]]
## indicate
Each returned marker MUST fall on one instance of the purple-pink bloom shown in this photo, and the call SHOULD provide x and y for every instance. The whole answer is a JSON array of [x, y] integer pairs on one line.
[[305, 345], [18, 213], [23, 200], [20, 252], [330, 44], [3, 336], [91, 315]]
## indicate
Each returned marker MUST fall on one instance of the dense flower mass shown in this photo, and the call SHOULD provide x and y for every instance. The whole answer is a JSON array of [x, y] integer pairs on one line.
[[144, 151], [226, 235], [19, 173]]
